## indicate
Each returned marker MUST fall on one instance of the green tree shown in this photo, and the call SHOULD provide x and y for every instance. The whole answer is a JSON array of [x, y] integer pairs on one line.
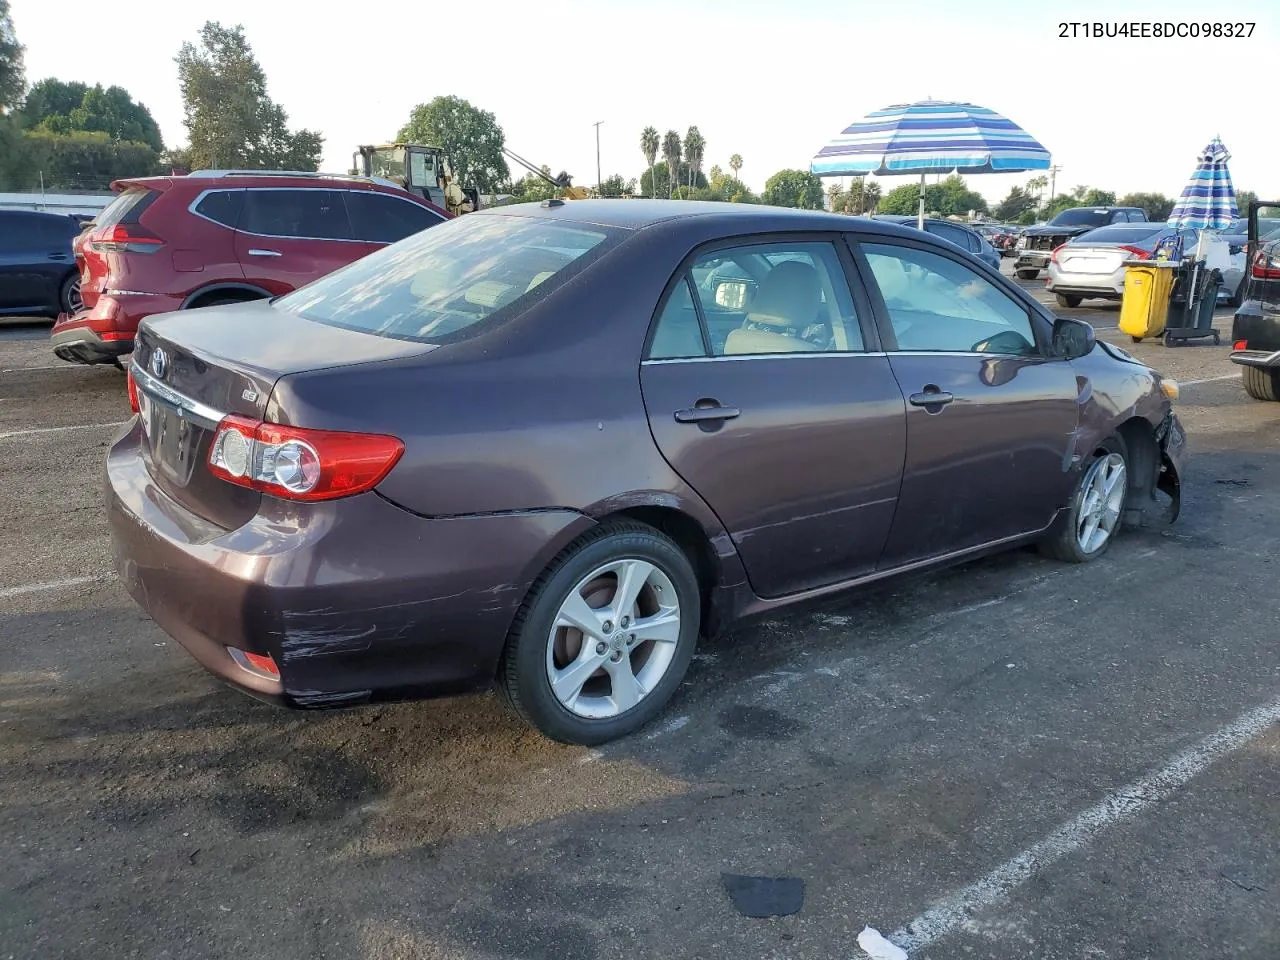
[[657, 181], [735, 163], [617, 186], [1014, 205], [649, 144], [533, 189], [1243, 199], [793, 188], [471, 138], [83, 160], [111, 111], [671, 148], [230, 120], [52, 97], [13, 75], [695, 148], [902, 201], [862, 197], [1156, 205]]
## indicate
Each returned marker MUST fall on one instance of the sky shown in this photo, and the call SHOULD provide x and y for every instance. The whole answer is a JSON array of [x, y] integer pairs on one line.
[[771, 81]]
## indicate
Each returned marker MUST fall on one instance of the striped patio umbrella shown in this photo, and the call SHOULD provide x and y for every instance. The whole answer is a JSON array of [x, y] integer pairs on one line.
[[930, 136], [1208, 201]]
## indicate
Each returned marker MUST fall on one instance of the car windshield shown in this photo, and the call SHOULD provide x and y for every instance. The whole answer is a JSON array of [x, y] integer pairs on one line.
[[1081, 217], [1123, 233], [434, 285]]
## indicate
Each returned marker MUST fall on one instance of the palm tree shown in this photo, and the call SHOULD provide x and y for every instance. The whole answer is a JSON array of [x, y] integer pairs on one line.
[[671, 153], [649, 144], [735, 164], [695, 146]]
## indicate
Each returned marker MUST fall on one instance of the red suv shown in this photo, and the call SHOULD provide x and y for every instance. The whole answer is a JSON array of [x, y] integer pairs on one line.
[[213, 236]]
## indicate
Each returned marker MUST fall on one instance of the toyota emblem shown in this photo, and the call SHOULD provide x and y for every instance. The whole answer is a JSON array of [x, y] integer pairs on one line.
[[159, 362]]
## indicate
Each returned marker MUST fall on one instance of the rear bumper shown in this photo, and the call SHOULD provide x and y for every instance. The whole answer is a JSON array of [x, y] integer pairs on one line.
[[1031, 259], [1259, 328], [354, 600], [105, 332], [1109, 286], [1256, 358]]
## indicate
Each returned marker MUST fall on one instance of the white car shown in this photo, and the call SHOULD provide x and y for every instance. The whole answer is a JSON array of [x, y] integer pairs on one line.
[[1092, 264]]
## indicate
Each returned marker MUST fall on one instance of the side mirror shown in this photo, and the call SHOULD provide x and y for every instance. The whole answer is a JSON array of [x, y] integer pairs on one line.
[[1072, 339]]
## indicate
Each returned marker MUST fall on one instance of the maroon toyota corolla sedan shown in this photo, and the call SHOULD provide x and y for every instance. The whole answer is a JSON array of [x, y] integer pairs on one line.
[[550, 446]]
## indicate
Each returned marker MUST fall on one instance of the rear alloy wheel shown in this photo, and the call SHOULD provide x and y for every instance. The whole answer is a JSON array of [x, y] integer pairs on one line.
[[1027, 274], [69, 295], [605, 636], [1086, 530], [1261, 383], [1067, 300]]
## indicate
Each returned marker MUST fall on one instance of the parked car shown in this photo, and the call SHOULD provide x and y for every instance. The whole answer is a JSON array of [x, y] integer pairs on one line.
[[1092, 264], [1255, 329], [964, 238], [533, 446], [1036, 244], [37, 267], [215, 237]]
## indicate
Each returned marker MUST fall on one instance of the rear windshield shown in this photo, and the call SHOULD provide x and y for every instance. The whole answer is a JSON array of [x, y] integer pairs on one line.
[[1081, 217], [126, 208], [436, 285], [1123, 233]]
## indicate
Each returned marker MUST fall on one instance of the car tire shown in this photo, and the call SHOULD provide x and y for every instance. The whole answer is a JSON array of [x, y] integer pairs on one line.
[[69, 294], [1261, 383], [544, 649], [1027, 274], [1068, 300], [1073, 539]]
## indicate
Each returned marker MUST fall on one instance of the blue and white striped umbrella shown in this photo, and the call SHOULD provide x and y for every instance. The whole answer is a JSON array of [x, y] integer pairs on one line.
[[1208, 201], [933, 136]]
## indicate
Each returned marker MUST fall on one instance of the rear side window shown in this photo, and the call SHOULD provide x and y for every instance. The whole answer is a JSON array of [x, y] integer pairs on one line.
[[126, 208], [439, 283], [222, 206], [380, 218], [298, 214]]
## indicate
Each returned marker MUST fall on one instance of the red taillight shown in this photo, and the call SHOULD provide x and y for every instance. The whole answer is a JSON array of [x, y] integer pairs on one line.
[[1265, 267], [1053, 257], [129, 237], [1240, 345], [1136, 252], [263, 663], [300, 464], [133, 391]]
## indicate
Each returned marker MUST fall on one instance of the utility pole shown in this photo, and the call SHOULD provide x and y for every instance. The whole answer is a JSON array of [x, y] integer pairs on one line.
[[1053, 182], [599, 179]]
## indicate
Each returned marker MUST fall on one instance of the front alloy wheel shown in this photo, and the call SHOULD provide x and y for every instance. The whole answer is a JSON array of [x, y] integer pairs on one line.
[[1099, 513]]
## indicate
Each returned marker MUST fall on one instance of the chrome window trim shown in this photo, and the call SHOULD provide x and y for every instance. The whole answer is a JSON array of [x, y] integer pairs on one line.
[[808, 355], [201, 413], [191, 208]]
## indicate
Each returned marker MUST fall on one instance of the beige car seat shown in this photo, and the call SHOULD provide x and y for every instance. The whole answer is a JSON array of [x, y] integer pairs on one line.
[[785, 305]]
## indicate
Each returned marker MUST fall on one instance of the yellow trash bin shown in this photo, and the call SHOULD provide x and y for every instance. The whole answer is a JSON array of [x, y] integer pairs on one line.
[[1145, 306]]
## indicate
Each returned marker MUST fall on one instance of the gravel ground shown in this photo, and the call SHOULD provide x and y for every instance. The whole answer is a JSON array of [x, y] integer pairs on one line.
[[937, 745]]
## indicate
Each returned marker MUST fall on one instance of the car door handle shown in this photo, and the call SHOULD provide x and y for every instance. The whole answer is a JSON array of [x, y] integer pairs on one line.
[[264, 253], [58, 256], [705, 414], [930, 398]]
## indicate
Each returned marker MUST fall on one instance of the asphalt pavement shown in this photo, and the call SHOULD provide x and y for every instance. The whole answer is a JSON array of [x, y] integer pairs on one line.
[[1014, 758]]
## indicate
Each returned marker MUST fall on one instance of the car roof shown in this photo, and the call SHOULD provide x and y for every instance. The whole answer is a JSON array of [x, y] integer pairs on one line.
[[902, 218], [639, 214], [213, 180]]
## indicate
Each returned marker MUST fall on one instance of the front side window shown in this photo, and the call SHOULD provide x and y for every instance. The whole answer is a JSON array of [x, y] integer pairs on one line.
[[940, 305], [314, 214], [436, 285], [780, 297]]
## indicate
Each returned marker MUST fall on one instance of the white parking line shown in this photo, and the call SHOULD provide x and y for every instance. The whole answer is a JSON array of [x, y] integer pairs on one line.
[[7, 592], [52, 366], [957, 909], [1192, 383], [74, 426]]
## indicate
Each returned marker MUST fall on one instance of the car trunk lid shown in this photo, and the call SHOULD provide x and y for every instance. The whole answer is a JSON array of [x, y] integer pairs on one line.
[[1092, 259], [193, 368]]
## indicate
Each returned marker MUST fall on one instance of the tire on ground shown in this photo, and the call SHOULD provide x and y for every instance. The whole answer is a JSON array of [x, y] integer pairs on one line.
[[1261, 383], [1063, 540], [523, 673]]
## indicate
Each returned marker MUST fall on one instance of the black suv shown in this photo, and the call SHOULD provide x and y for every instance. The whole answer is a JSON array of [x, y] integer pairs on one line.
[[1037, 243], [1255, 330]]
